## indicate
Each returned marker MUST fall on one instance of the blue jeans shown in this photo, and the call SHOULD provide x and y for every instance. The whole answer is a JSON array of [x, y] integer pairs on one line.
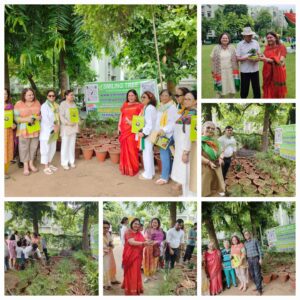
[[166, 163], [230, 273]]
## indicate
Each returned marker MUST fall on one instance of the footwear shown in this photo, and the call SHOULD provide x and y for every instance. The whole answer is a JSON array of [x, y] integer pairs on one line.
[[115, 282], [26, 172], [228, 287], [7, 176], [259, 293], [141, 177], [107, 287], [53, 168], [66, 167], [222, 194], [48, 171], [161, 181], [73, 166], [146, 280]]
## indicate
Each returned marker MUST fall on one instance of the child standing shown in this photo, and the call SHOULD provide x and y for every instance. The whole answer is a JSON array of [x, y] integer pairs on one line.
[[227, 268], [20, 256]]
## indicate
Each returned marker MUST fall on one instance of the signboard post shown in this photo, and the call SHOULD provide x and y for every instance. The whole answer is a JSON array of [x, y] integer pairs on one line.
[[283, 238], [107, 97], [285, 140]]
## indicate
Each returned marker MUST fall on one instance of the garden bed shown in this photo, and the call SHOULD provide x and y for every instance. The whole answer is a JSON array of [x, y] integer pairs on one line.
[[259, 176]]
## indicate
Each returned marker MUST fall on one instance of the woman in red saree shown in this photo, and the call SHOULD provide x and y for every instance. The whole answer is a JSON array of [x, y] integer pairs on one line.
[[274, 70], [213, 267], [129, 156], [132, 259]]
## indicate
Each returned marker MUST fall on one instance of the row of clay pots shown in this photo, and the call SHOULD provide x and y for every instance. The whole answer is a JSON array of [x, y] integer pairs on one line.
[[101, 152], [282, 276]]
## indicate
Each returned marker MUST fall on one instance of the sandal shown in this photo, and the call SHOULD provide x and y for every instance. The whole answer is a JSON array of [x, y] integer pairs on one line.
[[53, 168], [161, 181], [48, 171], [141, 177]]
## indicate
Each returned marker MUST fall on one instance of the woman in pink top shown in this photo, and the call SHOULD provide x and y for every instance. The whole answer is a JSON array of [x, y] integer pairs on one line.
[[12, 244], [27, 116], [239, 262]]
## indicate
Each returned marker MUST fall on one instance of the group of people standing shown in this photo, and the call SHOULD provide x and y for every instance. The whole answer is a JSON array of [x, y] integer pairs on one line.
[[40, 125], [233, 69], [145, 251], [216, 157], [168, 120], [33, 125], [20, 248], [236, 261]]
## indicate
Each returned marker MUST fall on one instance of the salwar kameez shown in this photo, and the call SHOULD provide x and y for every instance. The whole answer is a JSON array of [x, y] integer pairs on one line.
[[109, 264]]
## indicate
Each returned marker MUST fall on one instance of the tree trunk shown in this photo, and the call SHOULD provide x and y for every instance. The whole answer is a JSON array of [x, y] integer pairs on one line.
[[252, 213], [7, 82], [292, 115], [265, 137], [53, 70], [63, 75], [85, 229], [209, 225], [172, 209], [208, 112], [39, 96], [35, 224], [156, 50]]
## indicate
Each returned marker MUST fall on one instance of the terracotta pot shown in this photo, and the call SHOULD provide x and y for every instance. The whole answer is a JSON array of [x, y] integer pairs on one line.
[[283, 276], [158, 163], [87, 152], [77, 152], [274, 276], [293, 280], [58, 145], [267, 278], [101, 154], [108, 146], [114, 155]]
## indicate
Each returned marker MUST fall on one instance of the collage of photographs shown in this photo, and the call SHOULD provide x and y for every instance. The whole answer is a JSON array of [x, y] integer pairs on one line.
[[103, 186]]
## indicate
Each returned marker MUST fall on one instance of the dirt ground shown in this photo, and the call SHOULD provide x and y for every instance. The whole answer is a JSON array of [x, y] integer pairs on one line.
[[274, 288], [89, 179]]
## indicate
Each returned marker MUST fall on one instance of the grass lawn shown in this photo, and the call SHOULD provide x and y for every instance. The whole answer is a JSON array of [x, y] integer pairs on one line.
[[207, 82]]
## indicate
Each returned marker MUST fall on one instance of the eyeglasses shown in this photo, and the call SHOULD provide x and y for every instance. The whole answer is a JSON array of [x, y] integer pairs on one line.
[[177, 96], [52, 96]]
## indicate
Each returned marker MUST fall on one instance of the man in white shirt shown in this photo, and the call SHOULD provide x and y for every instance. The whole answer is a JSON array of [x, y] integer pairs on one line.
[[174, 240], [249, 66], [31, 250], [228, 144], [123, 229]]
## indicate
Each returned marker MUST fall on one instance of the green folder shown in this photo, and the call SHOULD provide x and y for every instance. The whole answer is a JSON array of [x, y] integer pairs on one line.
[[193, 135], [9, 118], [34, 127], [74, 115], [162, 142], [137, 124]]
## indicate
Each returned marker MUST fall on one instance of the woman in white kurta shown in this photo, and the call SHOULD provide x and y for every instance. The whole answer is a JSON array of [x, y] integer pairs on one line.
[[181, 164], [166, 117], [149, 112], [68, 131], [49, 132], [225, 68]]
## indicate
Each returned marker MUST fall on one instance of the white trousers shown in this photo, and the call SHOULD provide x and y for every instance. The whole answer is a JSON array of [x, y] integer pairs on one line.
[[47, 151], [148, 160], [67, 151]]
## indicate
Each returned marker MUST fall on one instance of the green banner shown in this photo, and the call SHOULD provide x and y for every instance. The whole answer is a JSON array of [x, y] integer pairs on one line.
[[283, 238], [107, 97], [285, 141], [94, 240]]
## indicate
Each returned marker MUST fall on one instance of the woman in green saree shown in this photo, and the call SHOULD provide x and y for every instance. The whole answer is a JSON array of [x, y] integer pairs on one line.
[[212, 159]]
